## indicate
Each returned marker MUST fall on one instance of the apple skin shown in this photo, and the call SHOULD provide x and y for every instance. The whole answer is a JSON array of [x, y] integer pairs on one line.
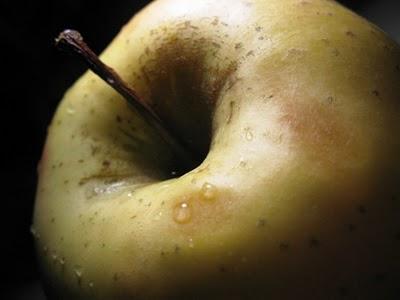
[[298, 194]]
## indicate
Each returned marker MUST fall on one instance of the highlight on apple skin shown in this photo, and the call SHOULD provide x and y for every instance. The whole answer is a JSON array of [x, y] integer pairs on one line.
[[291, 109]]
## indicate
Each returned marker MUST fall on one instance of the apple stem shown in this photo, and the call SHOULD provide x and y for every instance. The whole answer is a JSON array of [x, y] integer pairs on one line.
[[72, 41]]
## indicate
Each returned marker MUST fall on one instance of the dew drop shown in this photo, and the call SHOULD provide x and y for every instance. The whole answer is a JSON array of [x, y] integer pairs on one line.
[[191, 243], [61, 261], [158, 216], [33, 230], [34, 233], [78, 274], [70, 111], [249, 134], [208, 191], [182, 213], [54, 257]]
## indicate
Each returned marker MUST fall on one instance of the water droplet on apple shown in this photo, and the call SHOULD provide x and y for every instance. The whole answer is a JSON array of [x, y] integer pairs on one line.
[[33, 230], [78, 274], [34, 233], [91, 285], [182, 213], [191, 243], [249, 134], [158, 216], [208, 191], [54, 257], [61, 261], [70, 110]]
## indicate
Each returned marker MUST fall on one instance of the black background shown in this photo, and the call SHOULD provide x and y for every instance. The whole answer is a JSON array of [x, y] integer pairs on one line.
[[34, 77]]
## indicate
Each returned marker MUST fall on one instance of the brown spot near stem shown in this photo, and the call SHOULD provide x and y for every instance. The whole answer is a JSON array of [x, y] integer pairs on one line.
[[195, 84]]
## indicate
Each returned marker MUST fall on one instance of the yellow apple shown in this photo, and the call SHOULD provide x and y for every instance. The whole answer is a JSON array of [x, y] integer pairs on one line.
[[291, 108]]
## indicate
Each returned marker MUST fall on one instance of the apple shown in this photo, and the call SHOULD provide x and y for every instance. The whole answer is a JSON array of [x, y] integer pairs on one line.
[[260, 161]]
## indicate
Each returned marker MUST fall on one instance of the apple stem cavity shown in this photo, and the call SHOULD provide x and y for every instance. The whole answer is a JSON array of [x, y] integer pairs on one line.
[[72, 41]]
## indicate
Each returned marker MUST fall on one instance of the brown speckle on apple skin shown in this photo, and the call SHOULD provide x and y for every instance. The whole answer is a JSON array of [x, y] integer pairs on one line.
[[350, 34], [261, 223], [376, 93], [238, 46]]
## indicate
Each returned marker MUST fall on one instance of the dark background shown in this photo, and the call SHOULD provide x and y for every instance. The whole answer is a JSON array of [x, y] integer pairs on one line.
[[34, 78]]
